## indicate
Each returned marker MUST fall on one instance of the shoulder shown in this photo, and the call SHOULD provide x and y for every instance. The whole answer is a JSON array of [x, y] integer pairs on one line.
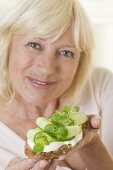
[[101, 85], [100, 79], [97, 90], [101, 74]]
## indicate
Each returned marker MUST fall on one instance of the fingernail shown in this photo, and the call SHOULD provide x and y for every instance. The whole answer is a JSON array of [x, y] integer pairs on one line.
[[42, 164], [95, 122]]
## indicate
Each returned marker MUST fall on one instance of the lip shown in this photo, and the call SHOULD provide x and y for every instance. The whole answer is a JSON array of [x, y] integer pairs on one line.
[[39, 83]]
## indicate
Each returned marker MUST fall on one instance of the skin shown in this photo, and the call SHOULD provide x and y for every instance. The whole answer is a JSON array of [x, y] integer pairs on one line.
[[47, 62]]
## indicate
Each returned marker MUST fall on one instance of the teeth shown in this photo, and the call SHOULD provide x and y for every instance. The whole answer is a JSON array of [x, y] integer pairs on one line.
[[38, 82]]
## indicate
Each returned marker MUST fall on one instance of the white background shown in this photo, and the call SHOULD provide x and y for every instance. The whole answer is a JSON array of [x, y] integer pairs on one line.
[[101, 15]]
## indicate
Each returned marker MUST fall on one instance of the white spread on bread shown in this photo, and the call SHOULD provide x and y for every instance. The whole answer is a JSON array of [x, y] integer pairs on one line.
[[53, 146]]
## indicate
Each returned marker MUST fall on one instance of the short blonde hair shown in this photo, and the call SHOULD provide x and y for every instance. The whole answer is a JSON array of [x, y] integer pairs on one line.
[[45, 19]]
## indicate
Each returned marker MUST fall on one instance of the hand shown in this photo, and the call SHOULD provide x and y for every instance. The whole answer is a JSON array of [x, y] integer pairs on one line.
[[30, 164], [91, 131]]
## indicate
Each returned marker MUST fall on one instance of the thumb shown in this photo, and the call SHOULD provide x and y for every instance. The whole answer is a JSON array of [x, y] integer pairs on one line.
[[95, 121]]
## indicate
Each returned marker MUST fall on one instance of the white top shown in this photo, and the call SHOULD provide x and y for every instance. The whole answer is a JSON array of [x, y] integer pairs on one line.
[[11, 145], [97, 98]]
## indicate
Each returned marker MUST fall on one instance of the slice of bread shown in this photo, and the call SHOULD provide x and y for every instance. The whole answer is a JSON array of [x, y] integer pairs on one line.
[[59, 152], [47, 155], [53, 154]]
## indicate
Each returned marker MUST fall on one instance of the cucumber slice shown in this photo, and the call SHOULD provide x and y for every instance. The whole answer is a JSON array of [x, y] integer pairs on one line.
[[42, 140], [32, 132], [73, 131], [42, 122], [79, 118], [47, 138], [46, 125]]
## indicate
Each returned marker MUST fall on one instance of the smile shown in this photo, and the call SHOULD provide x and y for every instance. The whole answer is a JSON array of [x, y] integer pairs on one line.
[[41, 84]]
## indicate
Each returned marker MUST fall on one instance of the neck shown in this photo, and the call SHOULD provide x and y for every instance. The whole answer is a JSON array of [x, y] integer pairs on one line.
[[21, 109]]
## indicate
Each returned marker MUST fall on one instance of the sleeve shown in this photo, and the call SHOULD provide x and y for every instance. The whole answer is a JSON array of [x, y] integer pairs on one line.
[[105, 97]]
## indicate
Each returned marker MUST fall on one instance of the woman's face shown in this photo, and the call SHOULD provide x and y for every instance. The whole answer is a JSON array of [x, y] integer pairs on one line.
[[41, 71]]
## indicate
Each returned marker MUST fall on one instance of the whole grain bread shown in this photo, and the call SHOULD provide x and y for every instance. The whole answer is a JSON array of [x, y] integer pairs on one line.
[[47, 155]]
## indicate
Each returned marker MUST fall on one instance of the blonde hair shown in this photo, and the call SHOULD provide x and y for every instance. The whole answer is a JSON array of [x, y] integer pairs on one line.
[[45, 19]]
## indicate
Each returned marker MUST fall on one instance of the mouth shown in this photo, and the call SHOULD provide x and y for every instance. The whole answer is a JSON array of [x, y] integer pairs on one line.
[[40, 83]]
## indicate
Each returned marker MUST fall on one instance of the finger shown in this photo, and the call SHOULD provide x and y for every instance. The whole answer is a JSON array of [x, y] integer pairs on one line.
[[14, 161], [95, 121], [53, 164], [27, 164], [40, 165], [21, 163]]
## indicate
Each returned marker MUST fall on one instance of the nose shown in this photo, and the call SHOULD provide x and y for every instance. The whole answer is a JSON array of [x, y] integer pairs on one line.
[[47, 64]]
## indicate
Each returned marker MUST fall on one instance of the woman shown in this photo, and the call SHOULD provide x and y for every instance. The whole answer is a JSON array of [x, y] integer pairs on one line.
[[45, 55]]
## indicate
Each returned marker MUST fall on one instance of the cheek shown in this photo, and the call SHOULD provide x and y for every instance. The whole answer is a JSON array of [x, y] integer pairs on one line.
[[19, 58], [18, 61], [15, 66], [67, 77], [70, 71]]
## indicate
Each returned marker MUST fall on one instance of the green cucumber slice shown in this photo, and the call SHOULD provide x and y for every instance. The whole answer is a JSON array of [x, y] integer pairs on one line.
[[73, 131], [32, 132], [47, 138], [79, 118], [42, 140], [42, 122]]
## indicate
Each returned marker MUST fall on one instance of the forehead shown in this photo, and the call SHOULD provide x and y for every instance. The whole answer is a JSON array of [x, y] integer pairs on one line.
[[67, 37]]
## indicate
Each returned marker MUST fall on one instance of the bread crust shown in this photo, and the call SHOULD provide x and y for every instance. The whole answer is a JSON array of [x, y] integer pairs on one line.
[[47, 155]]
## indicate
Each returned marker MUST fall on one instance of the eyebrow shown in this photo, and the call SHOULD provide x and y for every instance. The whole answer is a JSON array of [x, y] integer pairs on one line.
[[70, 46]]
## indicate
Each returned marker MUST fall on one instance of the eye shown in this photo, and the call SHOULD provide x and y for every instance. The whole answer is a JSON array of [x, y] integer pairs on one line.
[[66, 53], [34, 45]]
